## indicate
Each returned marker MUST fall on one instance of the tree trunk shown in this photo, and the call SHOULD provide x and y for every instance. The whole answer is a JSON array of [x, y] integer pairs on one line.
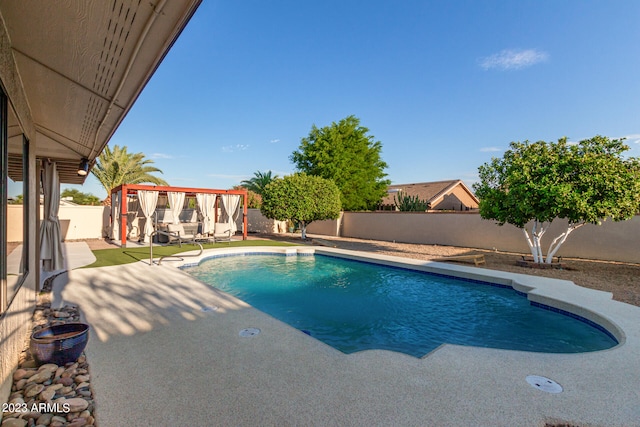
[[558, 241], [534, 241], [530, 244]]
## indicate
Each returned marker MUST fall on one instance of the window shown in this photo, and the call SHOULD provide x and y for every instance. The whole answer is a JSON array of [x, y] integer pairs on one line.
[[14, 227]]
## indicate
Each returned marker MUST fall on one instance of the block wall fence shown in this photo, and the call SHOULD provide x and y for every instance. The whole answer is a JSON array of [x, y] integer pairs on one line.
[[611, 241]]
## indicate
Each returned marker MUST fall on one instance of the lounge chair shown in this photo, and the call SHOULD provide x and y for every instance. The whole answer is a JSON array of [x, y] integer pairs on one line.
[[176, 233], [222, 232]]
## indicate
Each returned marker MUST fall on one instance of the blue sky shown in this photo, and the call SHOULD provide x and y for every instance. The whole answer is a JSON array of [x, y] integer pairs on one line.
[[443, 85]]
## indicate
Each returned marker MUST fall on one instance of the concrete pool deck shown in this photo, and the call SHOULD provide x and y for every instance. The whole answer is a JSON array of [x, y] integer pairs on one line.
[[158, 358]]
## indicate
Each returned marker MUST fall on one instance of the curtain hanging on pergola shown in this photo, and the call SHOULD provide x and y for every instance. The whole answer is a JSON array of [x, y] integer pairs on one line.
[[176, 202], [132, 212], [206, 204], [116, 200], [50, 237], [230, 203], [148, 200]]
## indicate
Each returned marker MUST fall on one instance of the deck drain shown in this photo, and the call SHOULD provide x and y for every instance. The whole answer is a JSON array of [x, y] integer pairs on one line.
[[249, 332], [209, 308], [544, 384]]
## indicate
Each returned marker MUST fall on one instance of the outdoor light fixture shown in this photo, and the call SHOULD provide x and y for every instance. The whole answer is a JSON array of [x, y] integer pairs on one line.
[[83, 169]]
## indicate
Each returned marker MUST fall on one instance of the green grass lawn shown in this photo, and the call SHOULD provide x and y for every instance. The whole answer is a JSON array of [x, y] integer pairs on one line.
[[118, 256]]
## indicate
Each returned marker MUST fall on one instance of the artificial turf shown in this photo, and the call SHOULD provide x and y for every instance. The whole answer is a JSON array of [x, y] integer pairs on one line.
[[118, 256]]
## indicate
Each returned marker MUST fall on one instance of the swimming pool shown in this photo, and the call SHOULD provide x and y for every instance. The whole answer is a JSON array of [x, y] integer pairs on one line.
[[355, 306]]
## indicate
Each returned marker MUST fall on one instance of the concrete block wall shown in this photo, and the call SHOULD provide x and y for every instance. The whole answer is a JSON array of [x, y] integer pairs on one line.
[[611, 241], [258, 223]]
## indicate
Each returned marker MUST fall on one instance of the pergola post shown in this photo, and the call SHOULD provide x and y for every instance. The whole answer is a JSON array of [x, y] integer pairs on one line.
[[244, 216], [123, 216]]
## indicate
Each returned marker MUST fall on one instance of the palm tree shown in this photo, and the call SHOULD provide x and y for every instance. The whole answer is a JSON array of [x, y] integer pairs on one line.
[[258, 182], [118, 167]]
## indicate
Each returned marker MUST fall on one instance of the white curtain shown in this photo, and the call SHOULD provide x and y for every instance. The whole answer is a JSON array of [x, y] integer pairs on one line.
[[176, 201], [231, 202], [206, 203], [132, 213], [50, 237], [116, 199], [148, 200]]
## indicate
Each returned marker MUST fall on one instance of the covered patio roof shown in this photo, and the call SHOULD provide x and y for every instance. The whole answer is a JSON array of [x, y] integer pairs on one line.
[[82, 65]]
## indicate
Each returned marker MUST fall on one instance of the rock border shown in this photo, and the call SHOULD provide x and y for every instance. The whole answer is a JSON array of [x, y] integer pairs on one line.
[[541, 266], [51, 395]]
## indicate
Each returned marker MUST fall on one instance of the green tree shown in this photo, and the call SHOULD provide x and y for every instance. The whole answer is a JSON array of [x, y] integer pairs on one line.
[[117, 166], [259, 181], [537, 182], [254, 200], [301, 198], [79, 197], [344, 153], [17, 200]]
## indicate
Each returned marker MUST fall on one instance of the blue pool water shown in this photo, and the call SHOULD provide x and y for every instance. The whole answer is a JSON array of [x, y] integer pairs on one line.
[[356, 306]]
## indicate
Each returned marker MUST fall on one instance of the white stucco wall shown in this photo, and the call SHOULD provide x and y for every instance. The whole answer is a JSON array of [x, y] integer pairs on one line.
[[81, 222], [76, 222]]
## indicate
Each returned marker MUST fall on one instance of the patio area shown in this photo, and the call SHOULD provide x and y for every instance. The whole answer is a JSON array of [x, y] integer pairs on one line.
[[165, 350]]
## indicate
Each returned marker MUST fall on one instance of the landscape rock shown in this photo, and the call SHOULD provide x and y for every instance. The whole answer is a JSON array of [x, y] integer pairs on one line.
[[40, 377], [82, 385], [47, 394], [59, 372], [14, 422], [77, 404], [22, 373], [44, 419], [17, 400], [67, 381], [50, 367], [81, 378], [50, 386], [33, 390]]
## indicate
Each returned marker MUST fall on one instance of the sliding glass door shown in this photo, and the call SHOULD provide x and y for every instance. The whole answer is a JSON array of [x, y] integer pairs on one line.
[[14, 223]]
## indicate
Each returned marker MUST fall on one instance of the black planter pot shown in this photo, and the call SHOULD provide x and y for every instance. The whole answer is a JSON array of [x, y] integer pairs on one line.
[[59, 344]]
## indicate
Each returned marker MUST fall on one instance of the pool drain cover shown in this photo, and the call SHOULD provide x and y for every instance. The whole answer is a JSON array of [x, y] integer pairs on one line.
[[249, 332], [544, 384], [209, 308]]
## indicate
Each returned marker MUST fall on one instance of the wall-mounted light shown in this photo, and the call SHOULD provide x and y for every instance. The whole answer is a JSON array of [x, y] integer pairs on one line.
[[83, 169]]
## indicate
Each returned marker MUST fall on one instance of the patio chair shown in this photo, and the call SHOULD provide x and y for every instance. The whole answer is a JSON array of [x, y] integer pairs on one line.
[[176, 233], [222, 232]]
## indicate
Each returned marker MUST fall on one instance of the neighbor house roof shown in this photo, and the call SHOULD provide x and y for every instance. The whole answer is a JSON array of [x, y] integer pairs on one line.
[[432, 192]]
